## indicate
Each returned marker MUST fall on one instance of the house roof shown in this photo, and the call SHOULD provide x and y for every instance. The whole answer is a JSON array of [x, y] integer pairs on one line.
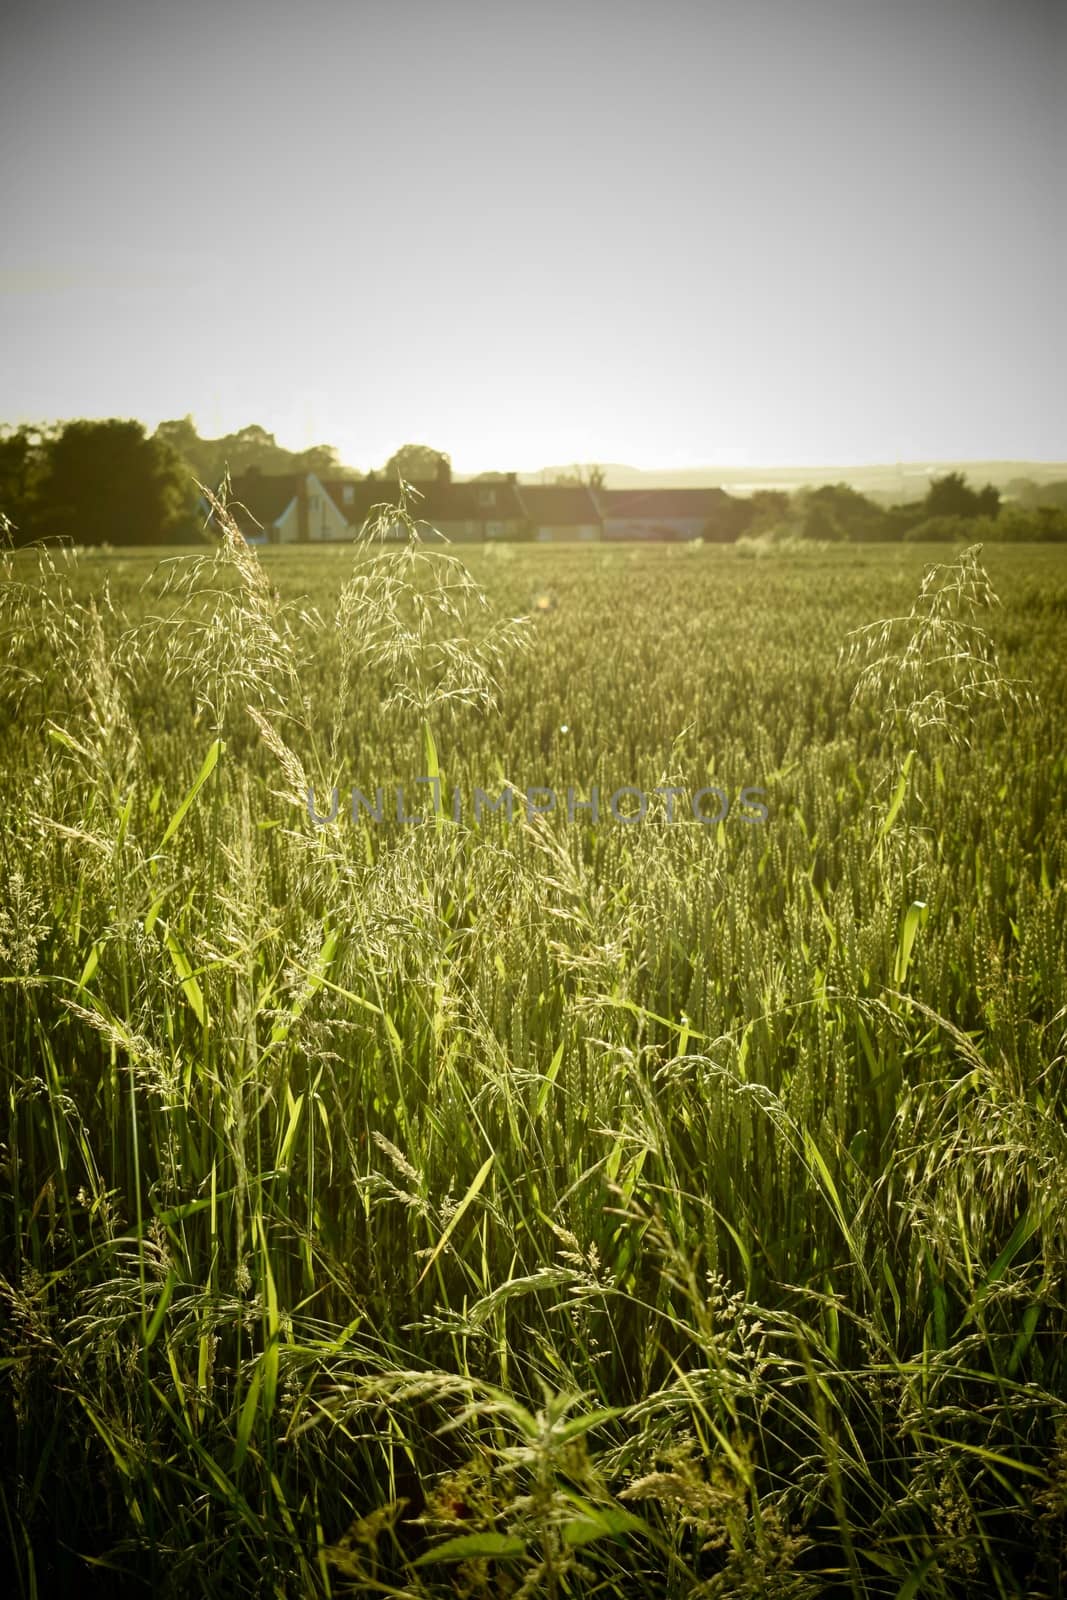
[[471, 502], [366, 492], [655, 505], [559, 504], [436, 502], [258, 499]]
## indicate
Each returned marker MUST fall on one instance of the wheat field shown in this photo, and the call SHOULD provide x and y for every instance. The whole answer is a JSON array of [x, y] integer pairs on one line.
[[554, 1206]]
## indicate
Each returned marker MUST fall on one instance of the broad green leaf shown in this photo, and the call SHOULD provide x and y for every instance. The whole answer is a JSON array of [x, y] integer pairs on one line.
[[898, 796], [89, 969], [479, 1178], [611, 1522], [67, 740], [1023, 1230], [290, 1132], [190, 987], [160, 1311], [204, 774], [914, 918], [550, 1077], [472, 1546], [1024, 1338], [246, 1420]]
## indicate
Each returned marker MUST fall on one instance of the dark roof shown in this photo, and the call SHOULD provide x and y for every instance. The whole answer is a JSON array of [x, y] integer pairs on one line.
[[559, 505], [649, 505], [366, 492], [259, 498], [471, 502], [435, 502]]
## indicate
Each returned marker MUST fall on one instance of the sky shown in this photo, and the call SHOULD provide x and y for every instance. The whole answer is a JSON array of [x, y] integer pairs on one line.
[[671, 234]]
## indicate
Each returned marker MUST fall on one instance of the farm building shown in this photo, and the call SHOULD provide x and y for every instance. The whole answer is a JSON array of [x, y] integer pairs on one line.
[[299, 508], [286, 508], [560, 511], [659, 513], [463, 512]]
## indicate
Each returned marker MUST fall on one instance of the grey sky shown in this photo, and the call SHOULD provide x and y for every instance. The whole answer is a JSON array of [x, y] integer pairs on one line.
[[814, 230]]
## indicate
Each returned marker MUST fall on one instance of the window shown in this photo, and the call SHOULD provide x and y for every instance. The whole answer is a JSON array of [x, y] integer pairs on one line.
[[348, 494]]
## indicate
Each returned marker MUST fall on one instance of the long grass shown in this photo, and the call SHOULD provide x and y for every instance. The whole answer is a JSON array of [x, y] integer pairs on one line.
[[533, 1208]]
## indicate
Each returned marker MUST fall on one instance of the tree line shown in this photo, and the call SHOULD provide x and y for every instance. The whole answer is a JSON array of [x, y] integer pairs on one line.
[[950, 511], [112, 482]]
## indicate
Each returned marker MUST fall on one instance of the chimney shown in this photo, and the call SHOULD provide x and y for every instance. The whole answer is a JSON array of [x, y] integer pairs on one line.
[[444, 472]]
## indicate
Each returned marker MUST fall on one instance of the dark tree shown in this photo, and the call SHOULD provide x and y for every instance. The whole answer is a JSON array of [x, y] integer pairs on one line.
[[21, 462], [1028, 493], [418, 463], [852, 513], [250, 449], [769, 508], [987, 502], [108, 483], [731, 516], [181, 435], [952, 496], [820, 523], [323, 459]]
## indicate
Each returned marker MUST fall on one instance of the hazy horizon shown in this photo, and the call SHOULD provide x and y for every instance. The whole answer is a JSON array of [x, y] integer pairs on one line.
[[706, 237]]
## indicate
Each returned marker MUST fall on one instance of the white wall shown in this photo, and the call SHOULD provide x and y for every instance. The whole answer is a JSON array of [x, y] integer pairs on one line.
[[652, 528], [287, 526], [558, 533], [325, 520]]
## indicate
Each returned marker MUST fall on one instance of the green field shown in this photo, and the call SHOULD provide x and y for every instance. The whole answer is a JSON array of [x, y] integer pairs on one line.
[[545, 1207]]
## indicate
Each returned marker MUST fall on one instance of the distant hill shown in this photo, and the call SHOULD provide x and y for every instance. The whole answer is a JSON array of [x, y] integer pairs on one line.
[[890, 482]]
